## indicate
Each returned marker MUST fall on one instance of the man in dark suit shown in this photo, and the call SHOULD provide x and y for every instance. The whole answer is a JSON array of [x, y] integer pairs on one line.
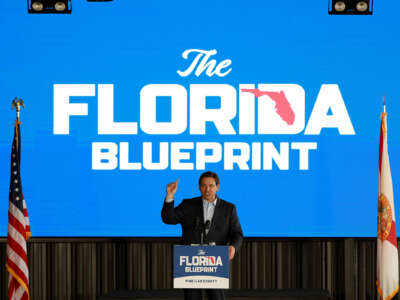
[[224, 223]]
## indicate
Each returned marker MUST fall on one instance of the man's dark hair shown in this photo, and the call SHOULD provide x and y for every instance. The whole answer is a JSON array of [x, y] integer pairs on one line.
[[209, 174]]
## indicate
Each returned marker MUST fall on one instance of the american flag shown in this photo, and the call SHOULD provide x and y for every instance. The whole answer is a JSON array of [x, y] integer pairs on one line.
[[18, 228]]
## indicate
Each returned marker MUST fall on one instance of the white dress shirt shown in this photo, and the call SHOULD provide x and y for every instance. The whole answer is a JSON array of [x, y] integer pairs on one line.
[[208, 210]]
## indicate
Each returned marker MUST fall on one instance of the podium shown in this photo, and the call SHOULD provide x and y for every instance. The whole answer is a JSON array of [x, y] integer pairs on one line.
[[201, 267]]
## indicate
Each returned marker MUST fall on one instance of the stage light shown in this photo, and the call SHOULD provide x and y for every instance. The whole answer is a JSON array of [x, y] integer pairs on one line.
[[362, 6], [37, 6], [340, 6], [350, 7], [49, 6], [60, 6]]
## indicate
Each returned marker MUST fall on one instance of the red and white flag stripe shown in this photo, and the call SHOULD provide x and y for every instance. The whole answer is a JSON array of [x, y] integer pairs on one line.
[[27, 224]]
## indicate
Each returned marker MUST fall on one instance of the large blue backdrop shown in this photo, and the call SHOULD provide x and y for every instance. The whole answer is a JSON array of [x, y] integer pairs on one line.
[[286, 111]]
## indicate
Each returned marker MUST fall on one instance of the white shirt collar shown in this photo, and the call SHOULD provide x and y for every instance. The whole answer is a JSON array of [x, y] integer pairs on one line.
[[213, 203]]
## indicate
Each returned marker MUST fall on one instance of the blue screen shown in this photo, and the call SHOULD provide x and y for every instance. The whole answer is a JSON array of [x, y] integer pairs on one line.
[[280, 99]]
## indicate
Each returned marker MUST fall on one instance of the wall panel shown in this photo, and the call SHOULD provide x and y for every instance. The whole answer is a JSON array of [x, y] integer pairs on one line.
[[86, 268]]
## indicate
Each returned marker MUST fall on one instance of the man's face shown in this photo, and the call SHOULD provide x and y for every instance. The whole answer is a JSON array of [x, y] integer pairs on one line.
[[208, 189]]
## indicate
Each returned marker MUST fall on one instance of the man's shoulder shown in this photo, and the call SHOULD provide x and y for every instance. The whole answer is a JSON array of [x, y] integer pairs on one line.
[[191, 200], [226, 203]]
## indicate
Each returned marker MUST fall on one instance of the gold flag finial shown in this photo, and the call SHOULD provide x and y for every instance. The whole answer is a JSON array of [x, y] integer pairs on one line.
[[17, 103]]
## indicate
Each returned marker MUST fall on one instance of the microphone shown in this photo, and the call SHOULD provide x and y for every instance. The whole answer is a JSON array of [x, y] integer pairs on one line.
[[199, 228], [207, 225]]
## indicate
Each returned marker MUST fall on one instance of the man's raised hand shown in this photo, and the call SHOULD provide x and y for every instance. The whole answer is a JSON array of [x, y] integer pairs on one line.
[[171, 189]]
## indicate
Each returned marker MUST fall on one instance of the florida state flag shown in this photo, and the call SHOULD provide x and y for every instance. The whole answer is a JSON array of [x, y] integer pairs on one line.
[[387, 264]]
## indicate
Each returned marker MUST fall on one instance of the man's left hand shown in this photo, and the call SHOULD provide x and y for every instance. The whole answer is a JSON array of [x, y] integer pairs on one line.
[[231, 252]]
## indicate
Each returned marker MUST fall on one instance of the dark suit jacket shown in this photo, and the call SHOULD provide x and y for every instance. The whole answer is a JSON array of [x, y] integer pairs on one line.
[[225, 228]]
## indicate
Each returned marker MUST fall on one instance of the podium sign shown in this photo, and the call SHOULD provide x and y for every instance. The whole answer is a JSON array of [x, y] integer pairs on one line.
[[201, 267]]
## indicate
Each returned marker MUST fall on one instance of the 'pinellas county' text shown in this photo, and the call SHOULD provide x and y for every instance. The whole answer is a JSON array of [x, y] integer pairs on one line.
[[233, 133]]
